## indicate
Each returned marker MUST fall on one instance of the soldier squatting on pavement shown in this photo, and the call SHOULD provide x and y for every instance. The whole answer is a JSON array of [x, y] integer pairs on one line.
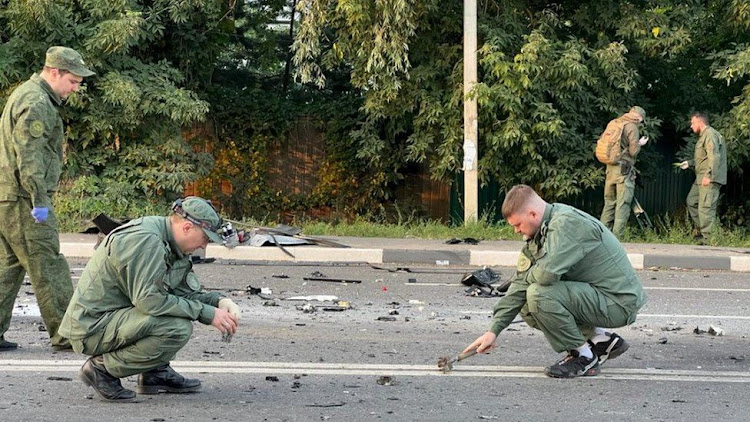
[[134, 306], [31, 153], [573, 279]]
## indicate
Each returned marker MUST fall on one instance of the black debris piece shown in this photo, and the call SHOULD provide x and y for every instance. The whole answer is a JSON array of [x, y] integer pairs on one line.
[[252, 290], [272, 378], [282, 275], [386, 318], [452, 241], [333, 280], [59, 379]]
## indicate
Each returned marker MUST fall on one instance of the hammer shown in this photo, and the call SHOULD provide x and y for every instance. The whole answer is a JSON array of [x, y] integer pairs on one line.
[[445, 363]]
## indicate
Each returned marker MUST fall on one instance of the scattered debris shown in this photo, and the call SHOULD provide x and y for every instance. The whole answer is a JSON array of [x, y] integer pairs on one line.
[[715, 331], [296, 384], [226, 337], [326, 404], [252, 290], [317, 274], [334, 280], [737, 358], [272, 378], [467, 240], [412, 280], [318, 298], [485, 417], [385, 380], [698, 330], [386, 318], [306, 308], [663, 340], [483, 283], [270, 303], [282, 275], [415, 302], [393, 312], [671, 328], [445, 363], [59, 379]]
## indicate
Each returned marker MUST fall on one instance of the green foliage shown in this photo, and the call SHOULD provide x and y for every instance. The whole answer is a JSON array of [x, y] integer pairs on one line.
[[124, 127]]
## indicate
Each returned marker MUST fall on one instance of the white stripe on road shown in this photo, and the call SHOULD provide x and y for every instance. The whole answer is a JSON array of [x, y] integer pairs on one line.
[[676, 316], [355, 369], [696, 289]]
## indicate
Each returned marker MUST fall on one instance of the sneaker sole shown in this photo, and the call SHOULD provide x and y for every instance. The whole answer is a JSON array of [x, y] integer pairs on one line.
[[591, 372], [614, 352], [157, 389], [88, 382]]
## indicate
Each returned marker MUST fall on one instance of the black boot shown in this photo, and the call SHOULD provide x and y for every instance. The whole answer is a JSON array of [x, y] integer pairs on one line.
[[165, 379], [6, 345], [94, 374]]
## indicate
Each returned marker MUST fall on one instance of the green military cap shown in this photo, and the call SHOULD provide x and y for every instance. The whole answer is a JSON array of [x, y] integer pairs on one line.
[[639, 110], [202, 213], [67, 59]]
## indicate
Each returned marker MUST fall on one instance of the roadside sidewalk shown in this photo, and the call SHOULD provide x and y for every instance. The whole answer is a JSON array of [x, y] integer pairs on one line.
[[437, 252]]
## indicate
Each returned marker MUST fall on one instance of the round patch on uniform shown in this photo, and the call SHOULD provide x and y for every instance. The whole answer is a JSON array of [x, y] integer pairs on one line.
[[36, 128], [524, 263], [193, 283]]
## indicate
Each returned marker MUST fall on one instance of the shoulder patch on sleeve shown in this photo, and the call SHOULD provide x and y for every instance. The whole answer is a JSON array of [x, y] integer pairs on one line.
[[524, 263], [36, 128]]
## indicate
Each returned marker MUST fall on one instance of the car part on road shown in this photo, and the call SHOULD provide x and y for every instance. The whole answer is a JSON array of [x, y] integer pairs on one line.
[[334, 280], [445, 363]]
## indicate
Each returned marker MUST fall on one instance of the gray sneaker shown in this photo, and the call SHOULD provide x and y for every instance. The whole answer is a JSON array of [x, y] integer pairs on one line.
[[609, 349]]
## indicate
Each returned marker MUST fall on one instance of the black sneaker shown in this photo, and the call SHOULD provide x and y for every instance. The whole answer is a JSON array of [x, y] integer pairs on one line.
[[609, 349], [573, 365]]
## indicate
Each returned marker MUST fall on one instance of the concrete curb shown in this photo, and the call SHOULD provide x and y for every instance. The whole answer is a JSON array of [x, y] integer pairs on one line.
[[430, 257]]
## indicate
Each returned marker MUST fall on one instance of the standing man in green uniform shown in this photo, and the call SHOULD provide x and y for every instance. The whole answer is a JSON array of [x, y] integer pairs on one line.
[[619, 185], [138, 296], [31, 153], [573, 278], [710, 162]]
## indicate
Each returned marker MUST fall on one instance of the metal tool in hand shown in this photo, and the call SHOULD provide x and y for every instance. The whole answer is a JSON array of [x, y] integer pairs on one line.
[[445, 363]]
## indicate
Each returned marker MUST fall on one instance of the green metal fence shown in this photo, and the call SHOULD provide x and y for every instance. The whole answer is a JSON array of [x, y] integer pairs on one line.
[[661, 194]]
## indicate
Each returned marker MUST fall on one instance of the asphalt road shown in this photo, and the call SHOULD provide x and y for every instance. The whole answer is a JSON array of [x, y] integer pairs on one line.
[[330, 365]]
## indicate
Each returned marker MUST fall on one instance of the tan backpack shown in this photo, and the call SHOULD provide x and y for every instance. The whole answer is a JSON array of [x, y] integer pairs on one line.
[[608, 146]]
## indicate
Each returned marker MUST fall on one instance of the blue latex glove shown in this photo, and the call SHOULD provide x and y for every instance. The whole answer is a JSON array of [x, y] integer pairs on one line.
[[40, 214]]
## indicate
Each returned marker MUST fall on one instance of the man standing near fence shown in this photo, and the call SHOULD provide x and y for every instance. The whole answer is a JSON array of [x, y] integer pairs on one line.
[[619, 186], [710, 163], [31, 145]]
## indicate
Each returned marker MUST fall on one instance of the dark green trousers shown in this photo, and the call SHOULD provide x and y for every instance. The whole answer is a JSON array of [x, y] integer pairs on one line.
[[133, 342], [567, 312], [702, 202], [33, 248]]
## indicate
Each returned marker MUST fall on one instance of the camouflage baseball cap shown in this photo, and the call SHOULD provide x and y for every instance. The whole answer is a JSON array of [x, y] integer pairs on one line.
[[67, 59], [200, 212], [639, 110]]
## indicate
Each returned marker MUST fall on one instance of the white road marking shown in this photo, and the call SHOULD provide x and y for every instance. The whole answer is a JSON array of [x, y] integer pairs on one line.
[[676, 316], [354, 369], [696, 289]]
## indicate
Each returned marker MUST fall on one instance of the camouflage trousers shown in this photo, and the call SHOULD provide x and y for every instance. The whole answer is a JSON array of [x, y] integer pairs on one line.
[[133, 342], [33, 248], [568, 311], [618, 196]]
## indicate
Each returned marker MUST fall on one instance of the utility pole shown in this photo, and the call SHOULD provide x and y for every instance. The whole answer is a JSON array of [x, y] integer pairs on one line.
[[471, 125]]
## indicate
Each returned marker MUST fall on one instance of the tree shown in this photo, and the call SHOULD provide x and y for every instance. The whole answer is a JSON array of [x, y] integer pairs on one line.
[[124, 128]]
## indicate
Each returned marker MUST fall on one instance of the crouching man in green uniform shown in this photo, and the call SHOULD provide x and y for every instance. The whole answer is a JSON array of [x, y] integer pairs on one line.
[[573, 280], [135, 304]]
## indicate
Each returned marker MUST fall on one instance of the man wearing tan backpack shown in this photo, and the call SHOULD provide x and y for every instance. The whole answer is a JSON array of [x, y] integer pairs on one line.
[[617, 148]]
